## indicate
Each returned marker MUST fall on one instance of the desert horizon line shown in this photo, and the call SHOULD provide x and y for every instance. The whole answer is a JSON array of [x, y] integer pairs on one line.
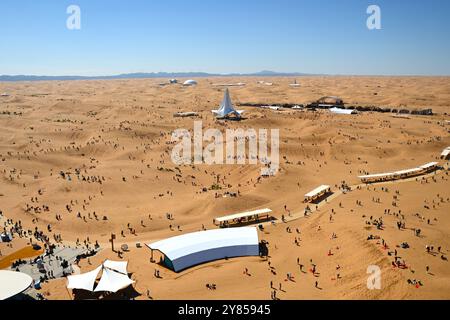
[[194, 74]]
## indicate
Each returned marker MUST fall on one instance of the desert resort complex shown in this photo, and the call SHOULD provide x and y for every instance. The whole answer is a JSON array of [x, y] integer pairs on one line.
[[93, 207]]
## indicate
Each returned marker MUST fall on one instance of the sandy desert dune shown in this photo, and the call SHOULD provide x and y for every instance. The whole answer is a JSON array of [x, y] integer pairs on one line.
[[91, 158]]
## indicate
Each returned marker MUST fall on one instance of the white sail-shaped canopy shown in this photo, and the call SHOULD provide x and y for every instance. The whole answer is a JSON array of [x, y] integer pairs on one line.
[[85, 281], [119, 266], [113, 281], [114, 278], [226, 108]]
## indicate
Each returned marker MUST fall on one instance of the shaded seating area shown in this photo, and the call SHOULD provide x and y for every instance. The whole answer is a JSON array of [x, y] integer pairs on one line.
[[402, 174], [318, 193], [244, 218], [114, 278]]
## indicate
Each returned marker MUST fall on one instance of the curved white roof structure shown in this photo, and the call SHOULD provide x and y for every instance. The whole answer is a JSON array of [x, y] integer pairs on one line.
[[12, 283], [190, 83], [191, 249]]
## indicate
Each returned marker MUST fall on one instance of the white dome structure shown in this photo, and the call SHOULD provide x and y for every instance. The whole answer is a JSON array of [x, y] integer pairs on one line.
[[13, 283], [190, 83]]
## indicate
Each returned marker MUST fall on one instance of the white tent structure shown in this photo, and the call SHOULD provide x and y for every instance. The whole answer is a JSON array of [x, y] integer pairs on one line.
[[114, 278], [112, 281], [85, 281], [119, 266], [192, 249], [226, 108], [189, 83], [13, 283], [342, 111]]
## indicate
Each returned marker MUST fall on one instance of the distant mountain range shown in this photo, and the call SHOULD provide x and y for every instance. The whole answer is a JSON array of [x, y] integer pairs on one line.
[[152, 75]]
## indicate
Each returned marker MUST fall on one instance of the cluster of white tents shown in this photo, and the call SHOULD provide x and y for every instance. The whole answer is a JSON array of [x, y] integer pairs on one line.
[[187, 83], [114, 278]]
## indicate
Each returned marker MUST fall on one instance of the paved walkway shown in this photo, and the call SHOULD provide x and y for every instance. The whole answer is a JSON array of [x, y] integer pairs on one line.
[[51, 264]]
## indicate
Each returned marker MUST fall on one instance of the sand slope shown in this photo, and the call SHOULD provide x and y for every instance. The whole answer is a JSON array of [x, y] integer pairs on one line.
[[113, 139]]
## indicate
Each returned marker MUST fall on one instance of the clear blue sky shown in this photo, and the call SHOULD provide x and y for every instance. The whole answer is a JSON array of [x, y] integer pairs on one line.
[[314, 36]]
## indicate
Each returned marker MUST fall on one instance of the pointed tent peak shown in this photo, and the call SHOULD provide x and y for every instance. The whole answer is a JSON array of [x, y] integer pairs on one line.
[[227, 98]]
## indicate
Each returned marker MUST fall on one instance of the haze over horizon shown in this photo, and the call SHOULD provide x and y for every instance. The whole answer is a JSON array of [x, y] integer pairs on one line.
[[312, 37]]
